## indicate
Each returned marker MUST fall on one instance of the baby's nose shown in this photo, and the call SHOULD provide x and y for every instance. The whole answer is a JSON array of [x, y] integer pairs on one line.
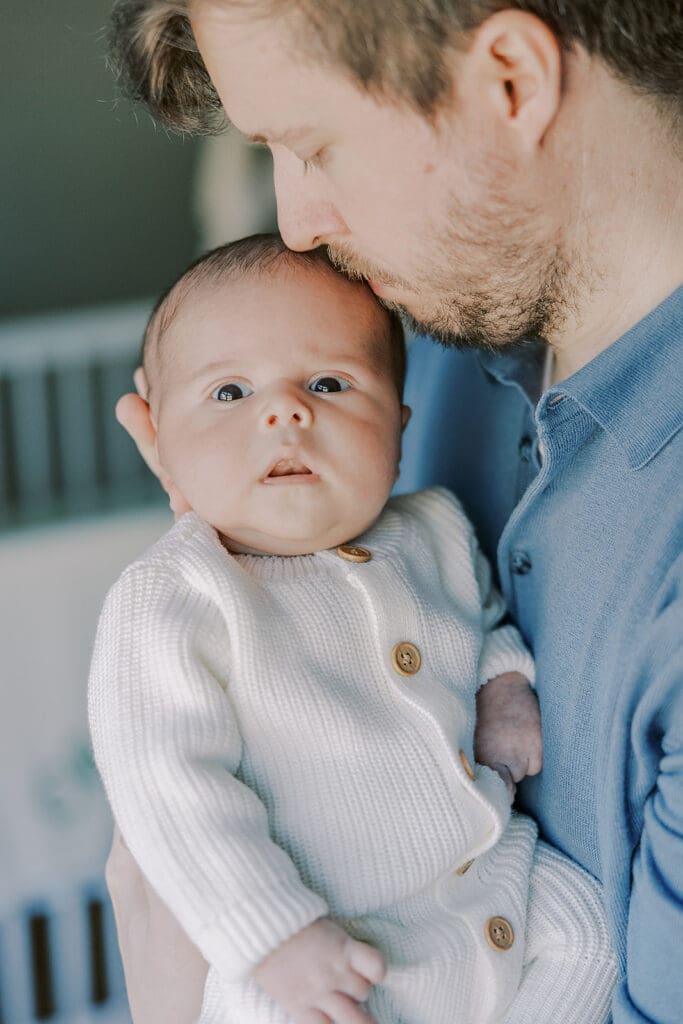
[[288, 408]]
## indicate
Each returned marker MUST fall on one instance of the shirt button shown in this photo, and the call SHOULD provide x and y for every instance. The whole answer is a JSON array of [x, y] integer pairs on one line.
[[406, 659], [354, 553], [465, 762], [525, 447], [520, 563], [499, 934]]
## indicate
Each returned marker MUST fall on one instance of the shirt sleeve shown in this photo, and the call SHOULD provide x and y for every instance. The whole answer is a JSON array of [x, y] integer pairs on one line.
[[167, 745], [651, 991]]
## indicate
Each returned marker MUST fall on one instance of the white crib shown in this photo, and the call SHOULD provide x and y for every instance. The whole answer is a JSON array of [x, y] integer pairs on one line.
[[65, 466]]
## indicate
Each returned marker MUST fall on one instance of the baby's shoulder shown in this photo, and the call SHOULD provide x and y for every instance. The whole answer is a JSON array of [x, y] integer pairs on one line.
[[184, 559], [437, 510]]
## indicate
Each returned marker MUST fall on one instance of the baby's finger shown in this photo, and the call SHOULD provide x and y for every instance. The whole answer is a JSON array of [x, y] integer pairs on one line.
[[535, 762], [344, 1010], [311, 1016], [354, 985], [366, 961]]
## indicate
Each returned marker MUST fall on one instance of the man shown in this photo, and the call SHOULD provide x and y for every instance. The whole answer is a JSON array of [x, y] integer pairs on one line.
[[503, 173]]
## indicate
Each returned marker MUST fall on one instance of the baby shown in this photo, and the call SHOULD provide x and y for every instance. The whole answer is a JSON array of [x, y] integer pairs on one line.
[[282, 695]]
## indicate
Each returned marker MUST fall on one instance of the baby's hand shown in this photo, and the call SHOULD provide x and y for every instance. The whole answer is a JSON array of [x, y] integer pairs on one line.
[[321, 974], [507, 736]]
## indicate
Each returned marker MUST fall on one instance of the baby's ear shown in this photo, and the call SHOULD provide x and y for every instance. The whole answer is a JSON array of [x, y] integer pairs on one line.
[[140, 381], [134, 415], [406, 413]]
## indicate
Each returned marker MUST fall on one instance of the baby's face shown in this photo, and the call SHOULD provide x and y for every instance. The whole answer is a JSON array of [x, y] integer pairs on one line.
[[277, 413]]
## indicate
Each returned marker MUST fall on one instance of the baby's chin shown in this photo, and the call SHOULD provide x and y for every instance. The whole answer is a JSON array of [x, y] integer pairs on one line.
[[295, 542], [260, 544]]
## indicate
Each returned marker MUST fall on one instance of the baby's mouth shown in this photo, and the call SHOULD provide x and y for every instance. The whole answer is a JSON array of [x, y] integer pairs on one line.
[[289, 467]]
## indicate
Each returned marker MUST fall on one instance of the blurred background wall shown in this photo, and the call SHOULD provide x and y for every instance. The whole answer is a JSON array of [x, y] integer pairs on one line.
[[99, 210]]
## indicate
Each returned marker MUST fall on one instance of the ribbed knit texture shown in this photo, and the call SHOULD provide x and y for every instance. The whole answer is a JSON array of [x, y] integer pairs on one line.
[[266, 763]]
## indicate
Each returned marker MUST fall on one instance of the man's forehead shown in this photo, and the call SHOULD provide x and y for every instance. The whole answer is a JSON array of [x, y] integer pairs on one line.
[[269, 83]]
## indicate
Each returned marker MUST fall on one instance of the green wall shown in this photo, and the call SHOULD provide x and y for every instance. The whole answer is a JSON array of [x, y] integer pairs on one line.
[[94, 199]]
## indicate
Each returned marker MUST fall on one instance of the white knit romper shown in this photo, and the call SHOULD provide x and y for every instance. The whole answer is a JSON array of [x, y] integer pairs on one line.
[[271, 756]]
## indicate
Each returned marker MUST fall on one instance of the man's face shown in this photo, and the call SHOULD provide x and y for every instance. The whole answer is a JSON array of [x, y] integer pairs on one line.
[[277, 411], [443, 223]]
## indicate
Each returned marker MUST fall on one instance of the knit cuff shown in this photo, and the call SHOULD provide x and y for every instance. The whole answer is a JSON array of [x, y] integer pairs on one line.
[[237, 942], [503, 651]]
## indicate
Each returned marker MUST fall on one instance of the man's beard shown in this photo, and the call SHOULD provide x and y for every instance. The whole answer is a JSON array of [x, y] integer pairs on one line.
[[489, 281]]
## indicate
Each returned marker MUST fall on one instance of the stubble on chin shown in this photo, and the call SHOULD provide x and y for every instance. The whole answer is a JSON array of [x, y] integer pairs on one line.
[[499, 317], [495, 275]]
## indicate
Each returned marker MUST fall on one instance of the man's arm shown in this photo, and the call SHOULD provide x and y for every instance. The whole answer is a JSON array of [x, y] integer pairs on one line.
[[652, 989], [165, 973]]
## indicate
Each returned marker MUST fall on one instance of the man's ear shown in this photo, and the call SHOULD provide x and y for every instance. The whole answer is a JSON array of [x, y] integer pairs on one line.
[[406, 413], [511, 74]]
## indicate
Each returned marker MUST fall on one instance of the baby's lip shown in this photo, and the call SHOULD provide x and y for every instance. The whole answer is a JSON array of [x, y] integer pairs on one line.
[[288, 465]]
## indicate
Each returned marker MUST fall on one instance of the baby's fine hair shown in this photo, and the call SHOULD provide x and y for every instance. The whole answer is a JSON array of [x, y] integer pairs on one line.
[[259, 255]]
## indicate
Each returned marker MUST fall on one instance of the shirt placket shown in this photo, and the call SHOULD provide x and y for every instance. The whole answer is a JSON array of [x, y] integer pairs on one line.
[[520, 544]]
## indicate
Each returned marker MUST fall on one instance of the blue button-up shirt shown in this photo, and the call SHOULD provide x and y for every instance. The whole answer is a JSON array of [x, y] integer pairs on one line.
[[578, 499]]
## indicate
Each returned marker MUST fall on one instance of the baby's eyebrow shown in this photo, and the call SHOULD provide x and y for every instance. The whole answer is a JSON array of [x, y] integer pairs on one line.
[[211, 369]]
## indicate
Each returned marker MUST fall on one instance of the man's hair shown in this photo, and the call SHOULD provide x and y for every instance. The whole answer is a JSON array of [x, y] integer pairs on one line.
[[391, 47], [255, 255]]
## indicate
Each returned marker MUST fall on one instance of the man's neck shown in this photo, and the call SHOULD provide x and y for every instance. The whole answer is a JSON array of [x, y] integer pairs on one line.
[[627, 199]]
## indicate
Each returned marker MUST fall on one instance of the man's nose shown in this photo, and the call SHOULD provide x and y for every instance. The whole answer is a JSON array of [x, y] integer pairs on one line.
[[287, 407], [306, 215]]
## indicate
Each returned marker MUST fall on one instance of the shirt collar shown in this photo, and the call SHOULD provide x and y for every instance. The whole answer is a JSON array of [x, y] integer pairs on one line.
[[519, 365], [634, 388]]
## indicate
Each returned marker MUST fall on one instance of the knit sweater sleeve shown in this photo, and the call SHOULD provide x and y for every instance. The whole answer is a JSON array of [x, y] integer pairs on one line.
[[167, 745], [502, 648]]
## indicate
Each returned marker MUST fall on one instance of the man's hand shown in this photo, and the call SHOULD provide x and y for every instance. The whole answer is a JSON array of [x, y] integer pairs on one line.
[[507, 736], [321, 974]]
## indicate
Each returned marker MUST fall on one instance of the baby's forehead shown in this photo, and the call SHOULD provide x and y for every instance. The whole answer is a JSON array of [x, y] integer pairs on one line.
[[315, 312]]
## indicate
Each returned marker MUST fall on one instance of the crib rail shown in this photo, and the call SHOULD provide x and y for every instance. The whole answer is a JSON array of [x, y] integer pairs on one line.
[[61, 451], [59, 962]]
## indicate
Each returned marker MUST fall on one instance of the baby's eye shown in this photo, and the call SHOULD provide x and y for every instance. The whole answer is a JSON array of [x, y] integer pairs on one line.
[[328, 384], [231, 392]]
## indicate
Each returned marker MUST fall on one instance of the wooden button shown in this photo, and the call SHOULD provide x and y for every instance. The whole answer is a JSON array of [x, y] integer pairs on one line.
[[406, 659], [465, 761], [464, 867], [354, 553], [499, 934]]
